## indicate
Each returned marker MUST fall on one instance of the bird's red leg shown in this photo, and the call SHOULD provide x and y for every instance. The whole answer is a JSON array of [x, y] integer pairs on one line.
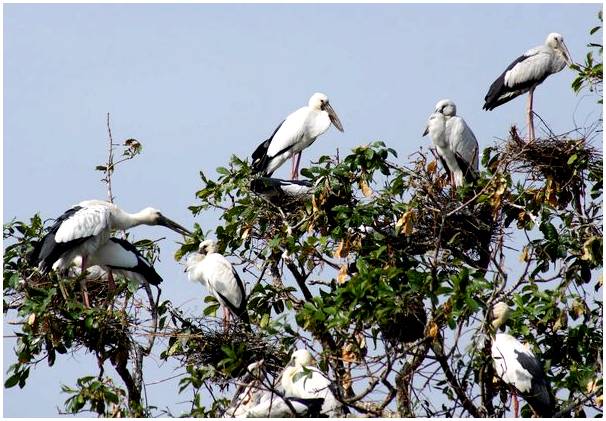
[[516, 404], [225, 318], [296, 159], [83, 283], [530, 116]]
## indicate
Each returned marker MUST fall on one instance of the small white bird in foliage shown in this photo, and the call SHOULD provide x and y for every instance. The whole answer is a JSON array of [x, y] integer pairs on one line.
[[517, 366], [528, 71], [217, 274], [84, 228], [302, 379], [298, 131]]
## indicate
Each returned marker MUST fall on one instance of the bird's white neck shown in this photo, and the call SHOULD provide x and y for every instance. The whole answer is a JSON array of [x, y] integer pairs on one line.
[[124, 220]]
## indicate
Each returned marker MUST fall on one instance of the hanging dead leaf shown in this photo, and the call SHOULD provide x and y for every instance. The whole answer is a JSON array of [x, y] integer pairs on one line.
[[342, 249], [525, 255], [366, 190], [405, 222], [432, 330], [432, 167], [245, 233], [550, 192], [342, 276], [31, 319]]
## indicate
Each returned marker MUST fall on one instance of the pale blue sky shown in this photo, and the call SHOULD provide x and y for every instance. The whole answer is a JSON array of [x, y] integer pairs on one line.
[[197, 83]]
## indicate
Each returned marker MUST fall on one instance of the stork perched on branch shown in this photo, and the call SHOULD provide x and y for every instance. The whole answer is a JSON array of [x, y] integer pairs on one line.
[[83, 229], [298, 131], [517, 366], [455, 143], [528, 71]]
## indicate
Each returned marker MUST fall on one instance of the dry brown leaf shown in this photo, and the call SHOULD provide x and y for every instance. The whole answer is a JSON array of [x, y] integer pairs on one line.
[[342, 276], [432, 329], [525, 255], [432, 167], [550, 192], [346, 380], [342, 249], [366, 190], [245, 233]]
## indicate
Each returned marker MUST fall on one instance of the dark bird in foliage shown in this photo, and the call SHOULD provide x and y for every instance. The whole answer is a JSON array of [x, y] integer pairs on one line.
[[528, 71], [217, 274], [455, 143], [517, 366], [298, 131], [84, 228]]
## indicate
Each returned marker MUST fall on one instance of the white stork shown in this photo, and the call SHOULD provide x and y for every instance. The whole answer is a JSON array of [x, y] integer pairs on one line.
[[526, 72], [217, 274], [254, 399], [517, 366], [456, 144], [118, 256], [299, 130], [84, 228], [302, 379]]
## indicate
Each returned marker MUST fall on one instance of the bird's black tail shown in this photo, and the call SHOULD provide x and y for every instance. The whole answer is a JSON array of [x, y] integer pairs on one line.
[[260, 159]]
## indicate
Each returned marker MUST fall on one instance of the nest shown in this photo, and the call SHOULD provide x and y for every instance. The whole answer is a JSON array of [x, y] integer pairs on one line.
[[549, 158], [407, 323], [201, 342]]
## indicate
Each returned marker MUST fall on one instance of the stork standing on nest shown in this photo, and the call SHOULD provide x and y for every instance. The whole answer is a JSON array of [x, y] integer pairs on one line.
[[86, 227], [517, 366], [298, 131], [528, 71], [455, 143], [217, 274]]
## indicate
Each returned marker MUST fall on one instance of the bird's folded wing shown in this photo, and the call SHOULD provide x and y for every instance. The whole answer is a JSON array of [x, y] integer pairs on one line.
[[86, 222]]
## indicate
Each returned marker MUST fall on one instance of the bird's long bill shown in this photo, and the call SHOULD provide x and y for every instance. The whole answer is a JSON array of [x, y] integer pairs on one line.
[[164, 221], [333, 117], [567, 56], [426, 132]]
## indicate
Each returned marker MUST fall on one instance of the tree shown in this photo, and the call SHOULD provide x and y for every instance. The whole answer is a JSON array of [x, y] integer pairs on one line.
[[381, 268]]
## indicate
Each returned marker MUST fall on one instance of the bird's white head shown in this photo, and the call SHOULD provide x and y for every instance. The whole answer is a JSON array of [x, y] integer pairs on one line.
[[556, 41], [302, 357], [207, 247], [436, 125], [151, 216], [500, 313], [319, 102], [446, 107]]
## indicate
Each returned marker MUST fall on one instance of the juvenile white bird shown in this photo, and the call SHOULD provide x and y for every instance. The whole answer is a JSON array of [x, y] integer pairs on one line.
[[528, 71], [455, 143], [517, 366], [82, 229], [302, 379], [298, 131], [217, 274]]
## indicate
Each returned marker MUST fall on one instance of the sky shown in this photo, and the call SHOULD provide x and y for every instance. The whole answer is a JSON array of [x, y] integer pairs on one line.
[[197, 83]]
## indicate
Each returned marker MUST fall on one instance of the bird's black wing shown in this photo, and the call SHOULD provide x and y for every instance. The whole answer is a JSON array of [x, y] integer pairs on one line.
[[540, 396], [144, 268], [47, 251], [239, 311], [468, 171], [499, 93], [259, 156]]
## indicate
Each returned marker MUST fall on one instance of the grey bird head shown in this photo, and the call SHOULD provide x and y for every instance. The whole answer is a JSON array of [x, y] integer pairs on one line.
[[446, 107], [319, 101], [556, 41]]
